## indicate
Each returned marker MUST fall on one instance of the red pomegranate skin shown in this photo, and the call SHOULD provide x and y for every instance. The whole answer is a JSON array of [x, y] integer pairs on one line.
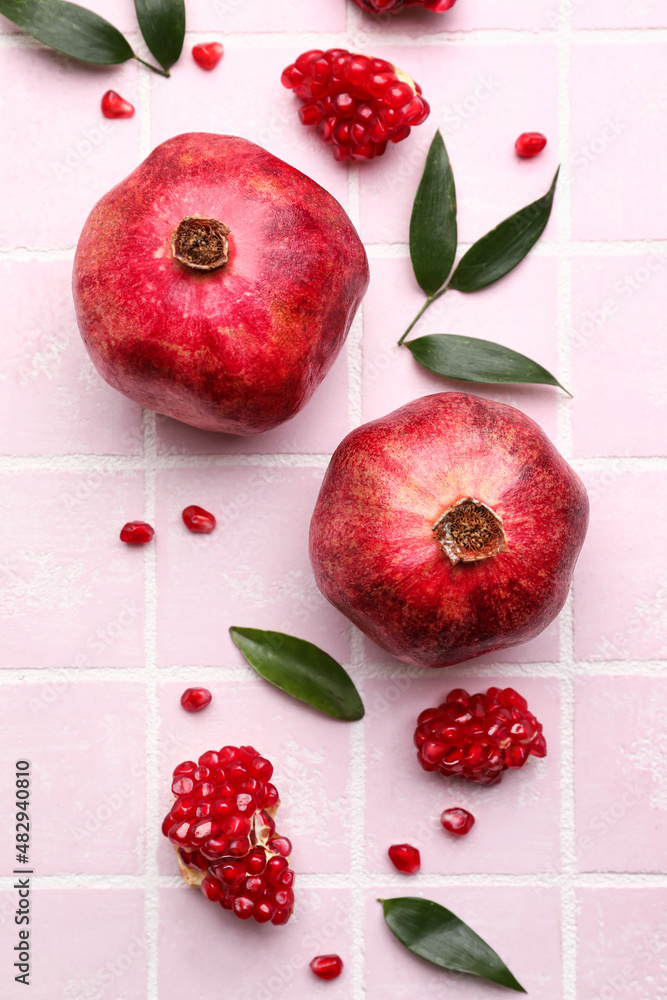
[[240, 348], [377, 559]]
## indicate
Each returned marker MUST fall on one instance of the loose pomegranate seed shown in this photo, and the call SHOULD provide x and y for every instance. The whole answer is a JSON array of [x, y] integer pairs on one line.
[[208, 54], [530, 143], [136, 533], [357, 103], [327, 966], [198, 520], [115, 106], [458, 821], [194, 699], [405, 857]]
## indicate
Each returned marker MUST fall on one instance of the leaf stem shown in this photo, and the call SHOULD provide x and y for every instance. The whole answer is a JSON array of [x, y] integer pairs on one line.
[[162, 72], [421, 312]]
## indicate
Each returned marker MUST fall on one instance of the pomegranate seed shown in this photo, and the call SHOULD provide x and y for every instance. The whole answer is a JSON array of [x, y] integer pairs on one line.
[[530, 143], [281, 845], [198, 520], [136, 533], [243, 907], [194, 699], [458, 821], [327, 966], [405, 857], [115, 106], [207, 54]]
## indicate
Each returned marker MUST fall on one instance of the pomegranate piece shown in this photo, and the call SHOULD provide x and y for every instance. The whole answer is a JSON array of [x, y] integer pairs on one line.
[[448, 529], [357, 103], [405, 857], [327, 966], [478, 736], [211, 340], [194, 699], [222, 828], [530, 143], [115, 106], [458, 821], [207, 54], [198, 520], [391, 6], [136, 533]]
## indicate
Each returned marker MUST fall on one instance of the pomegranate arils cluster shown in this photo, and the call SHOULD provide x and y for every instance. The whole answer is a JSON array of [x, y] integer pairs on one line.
[[357, 103], [222, 827], [390, 6], [478, 736]]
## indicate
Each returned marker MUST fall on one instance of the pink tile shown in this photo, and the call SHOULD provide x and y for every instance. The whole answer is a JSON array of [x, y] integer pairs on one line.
[[265, 113], [621, 614], [618, 142], [86, 746], [619, 14], [619, 355], [71, 955], [620, 784], [265, 15], [47, 377], [621, 949], [520, 312], [521, 14], [310, 754], [529, 945], [252, 571], [74, 154], [517, 821], [71, 593], [317, 429], [481, 98], [261, 962]]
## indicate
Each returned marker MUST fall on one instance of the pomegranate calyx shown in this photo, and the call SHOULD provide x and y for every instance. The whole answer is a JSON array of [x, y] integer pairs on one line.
[[201, 243], [469, 531]]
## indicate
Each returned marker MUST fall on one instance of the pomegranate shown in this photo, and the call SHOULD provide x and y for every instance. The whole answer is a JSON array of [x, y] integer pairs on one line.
[[448, 529], [216, 284]]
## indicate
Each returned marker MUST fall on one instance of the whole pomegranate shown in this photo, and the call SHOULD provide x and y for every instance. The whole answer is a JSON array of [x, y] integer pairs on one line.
[[448, 529], [216, 284]]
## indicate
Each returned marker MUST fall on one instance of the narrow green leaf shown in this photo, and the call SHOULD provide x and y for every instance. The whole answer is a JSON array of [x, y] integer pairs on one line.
[[437, 934], [433, 222], [162, 24], [471, 359], [497, 253], [302, 670], [70, 29]]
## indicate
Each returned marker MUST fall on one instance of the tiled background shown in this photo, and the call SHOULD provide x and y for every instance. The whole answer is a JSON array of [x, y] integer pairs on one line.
[[565, 871]]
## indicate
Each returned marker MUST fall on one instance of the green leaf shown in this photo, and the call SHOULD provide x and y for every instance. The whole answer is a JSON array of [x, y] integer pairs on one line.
[[497, 253], [474, 360], [437, 934], [302, 670], [70, 29], [433, 221], [162, 24]]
